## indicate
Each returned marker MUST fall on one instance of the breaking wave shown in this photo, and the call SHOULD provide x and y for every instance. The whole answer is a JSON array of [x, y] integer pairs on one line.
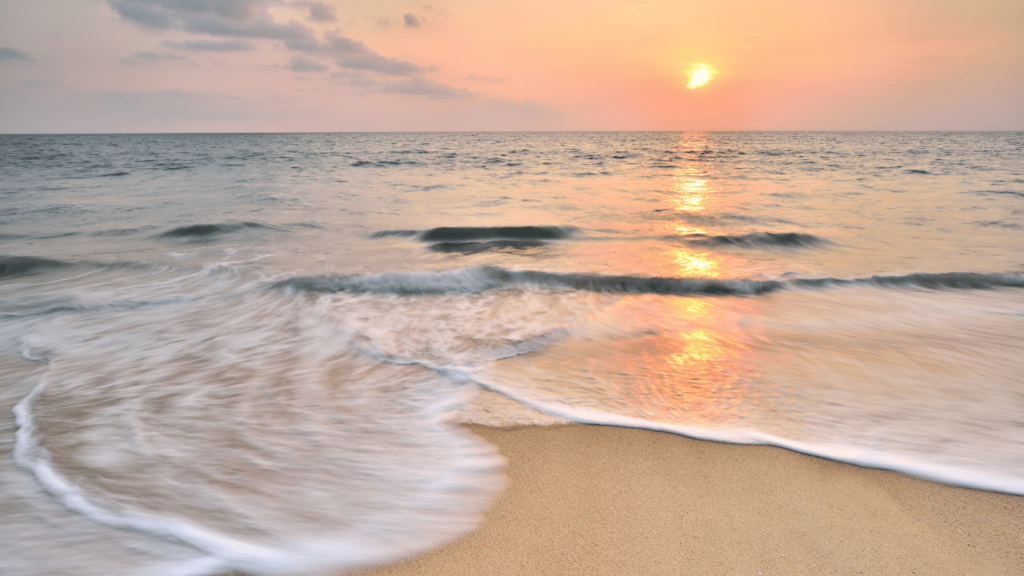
[[472, 280]]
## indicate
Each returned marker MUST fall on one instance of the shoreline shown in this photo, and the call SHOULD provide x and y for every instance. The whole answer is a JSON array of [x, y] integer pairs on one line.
[[586, 499]]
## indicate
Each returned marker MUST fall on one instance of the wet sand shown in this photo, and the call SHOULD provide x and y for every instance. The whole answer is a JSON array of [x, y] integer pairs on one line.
[[603, 500]]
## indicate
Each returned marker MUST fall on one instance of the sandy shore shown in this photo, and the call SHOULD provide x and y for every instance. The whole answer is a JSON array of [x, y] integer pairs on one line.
[[603, 500]]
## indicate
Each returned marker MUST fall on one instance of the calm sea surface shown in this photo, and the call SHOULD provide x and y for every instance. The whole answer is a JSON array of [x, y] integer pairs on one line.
[[246, 352]]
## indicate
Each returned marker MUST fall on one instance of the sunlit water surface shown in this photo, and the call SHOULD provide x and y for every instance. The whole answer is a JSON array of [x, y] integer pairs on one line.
[[246, 352]]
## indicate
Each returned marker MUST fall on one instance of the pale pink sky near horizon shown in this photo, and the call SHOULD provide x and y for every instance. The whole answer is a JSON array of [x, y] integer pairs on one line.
[[397, 65]]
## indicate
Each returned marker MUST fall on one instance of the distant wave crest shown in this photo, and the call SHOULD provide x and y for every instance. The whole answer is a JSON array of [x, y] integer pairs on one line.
[[475, 239], [15, 266], [471, 233], [210, 230], [473, 280], [759, 240]]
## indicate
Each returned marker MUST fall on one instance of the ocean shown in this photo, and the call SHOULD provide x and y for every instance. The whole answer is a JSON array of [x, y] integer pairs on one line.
[[250, 352]]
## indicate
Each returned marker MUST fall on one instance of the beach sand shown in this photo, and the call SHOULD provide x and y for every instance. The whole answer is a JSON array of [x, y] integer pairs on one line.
[[603, 500]]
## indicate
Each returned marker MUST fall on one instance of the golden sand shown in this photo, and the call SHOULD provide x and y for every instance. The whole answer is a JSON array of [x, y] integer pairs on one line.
[[593, 500]]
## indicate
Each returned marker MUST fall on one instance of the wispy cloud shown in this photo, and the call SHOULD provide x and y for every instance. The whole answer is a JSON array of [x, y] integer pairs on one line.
[[144, 58], [226, 18], [320, 12], [252, 19], [420, 86], [357, 78], [411, 20], [212, 45], [354, 55], [14, 54], [491, 79], [303, 64]]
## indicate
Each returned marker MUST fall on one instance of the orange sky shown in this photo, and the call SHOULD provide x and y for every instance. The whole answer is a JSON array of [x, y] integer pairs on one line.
[[283, 65]]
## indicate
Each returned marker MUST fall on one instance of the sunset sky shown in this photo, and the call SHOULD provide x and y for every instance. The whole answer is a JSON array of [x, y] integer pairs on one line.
[[334, 65]]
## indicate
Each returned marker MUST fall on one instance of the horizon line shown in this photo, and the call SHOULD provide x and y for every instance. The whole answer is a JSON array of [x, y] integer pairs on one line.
[[228, 133]]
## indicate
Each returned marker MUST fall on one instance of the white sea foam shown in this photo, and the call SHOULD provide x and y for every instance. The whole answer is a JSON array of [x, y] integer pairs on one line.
[[980, 478], [251, 431], [915, 382]]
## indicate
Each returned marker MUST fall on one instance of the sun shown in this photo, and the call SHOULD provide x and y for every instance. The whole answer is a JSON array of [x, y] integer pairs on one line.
[[700, 74]]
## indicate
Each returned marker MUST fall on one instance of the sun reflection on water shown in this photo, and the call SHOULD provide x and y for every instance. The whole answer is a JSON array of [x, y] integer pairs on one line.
[[690, 196], [695, 264], [692, 366], [692, 193], [664, 358]]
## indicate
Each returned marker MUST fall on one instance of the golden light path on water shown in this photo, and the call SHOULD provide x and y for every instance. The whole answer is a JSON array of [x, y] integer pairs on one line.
[[685, 360], [696, 372], [692, 365], [691, 195]]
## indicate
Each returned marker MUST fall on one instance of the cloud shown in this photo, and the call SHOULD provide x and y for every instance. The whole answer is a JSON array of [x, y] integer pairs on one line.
[[303, 64], [355, 55], [476, 78], [415, 86], [143, 58], [14, 54], [358, 79], [411, 21], [251, 19], [212, 45], [421, 86], [377, 63], [179, 13], [320, 12], [230, 18]]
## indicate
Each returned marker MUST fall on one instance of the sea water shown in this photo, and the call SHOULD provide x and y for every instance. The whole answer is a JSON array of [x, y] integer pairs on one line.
[[250, 352]]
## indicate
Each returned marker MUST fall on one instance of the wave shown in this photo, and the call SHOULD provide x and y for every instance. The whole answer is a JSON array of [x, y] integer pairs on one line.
[[116, 232], [998, 224], [957, 477], [382, 163], [1005, 192], [461, 234], [474, 240], [400, 233], [721, 218], [467, 248], [17, 266], [474, 233], [759, 240], [16, 309], [933, 281], [473, 280], [210, 230], [481, 279], [359, 433]]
